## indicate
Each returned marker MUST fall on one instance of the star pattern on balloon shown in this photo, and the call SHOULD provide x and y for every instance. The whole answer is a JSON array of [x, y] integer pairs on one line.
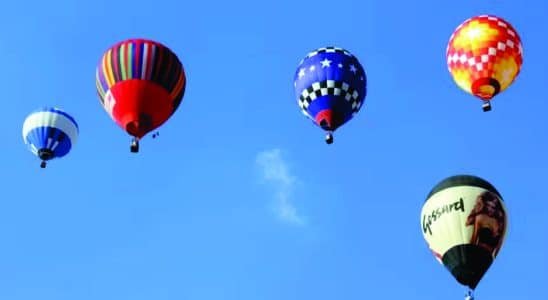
[[326, 63]]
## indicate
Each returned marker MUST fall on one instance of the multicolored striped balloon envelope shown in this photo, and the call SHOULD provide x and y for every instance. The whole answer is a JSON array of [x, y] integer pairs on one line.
[[484, 56], [140, 83], [50, 133]]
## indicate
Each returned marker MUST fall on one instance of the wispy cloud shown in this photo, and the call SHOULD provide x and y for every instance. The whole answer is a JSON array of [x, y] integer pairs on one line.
[[275, 170]]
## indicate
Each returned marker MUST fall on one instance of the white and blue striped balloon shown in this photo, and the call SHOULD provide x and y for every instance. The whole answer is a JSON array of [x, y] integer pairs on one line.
[[50, 133]]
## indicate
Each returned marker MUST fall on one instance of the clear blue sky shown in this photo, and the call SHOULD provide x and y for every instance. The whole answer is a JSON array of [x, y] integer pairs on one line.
[[194, 215]]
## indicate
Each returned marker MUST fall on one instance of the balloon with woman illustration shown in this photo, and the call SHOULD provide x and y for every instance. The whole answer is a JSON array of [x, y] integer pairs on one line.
[[330, 87], [484, 56], [141, 84], [464, 222]]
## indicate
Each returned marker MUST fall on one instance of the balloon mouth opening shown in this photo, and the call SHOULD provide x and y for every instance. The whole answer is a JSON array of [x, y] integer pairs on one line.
[[324, 124], [329, 120], [45, 154], [486, 88], [141, 127], [464, 279]]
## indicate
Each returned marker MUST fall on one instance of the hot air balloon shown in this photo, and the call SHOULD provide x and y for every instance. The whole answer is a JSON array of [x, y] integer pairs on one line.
[[50, 133], [330, 87], [484, 56], [464, 222], [140, 83]]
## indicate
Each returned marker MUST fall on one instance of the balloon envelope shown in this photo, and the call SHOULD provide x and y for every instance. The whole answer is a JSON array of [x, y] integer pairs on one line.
[[50, 133], [484, 56], [140, 84], [330, 86], [464, 221]]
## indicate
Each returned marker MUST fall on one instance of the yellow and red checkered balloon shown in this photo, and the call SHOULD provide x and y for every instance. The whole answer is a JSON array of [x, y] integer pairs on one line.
[[484, 56]]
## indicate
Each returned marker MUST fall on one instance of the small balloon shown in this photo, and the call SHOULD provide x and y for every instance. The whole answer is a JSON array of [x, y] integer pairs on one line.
[[484, 56], [464, 222], [50, 133], [140, 84], [330, 87]]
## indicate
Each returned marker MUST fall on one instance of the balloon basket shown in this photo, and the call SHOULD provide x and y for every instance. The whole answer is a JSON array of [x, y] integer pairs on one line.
[[134, 147], [486, 106], [329, 138]]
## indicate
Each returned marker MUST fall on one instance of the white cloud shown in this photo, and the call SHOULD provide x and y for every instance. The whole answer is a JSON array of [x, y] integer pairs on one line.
[[276, 171]]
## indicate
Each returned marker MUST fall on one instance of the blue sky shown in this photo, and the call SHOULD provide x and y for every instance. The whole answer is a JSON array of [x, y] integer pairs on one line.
[[240, 198]]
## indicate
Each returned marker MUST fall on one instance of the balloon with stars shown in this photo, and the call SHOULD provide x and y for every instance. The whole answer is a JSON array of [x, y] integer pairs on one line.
[[330, 87]]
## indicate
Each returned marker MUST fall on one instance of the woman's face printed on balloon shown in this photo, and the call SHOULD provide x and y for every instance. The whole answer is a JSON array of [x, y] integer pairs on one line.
[[488, 219]]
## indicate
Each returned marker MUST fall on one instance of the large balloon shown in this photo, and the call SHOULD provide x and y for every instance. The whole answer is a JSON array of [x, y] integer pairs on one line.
[[140, 84], [330, 86], [484, 56], [464, 221], [50, 133]]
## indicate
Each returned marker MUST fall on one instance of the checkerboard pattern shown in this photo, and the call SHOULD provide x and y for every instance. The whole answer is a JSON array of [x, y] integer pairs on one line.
[[332, 88]]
